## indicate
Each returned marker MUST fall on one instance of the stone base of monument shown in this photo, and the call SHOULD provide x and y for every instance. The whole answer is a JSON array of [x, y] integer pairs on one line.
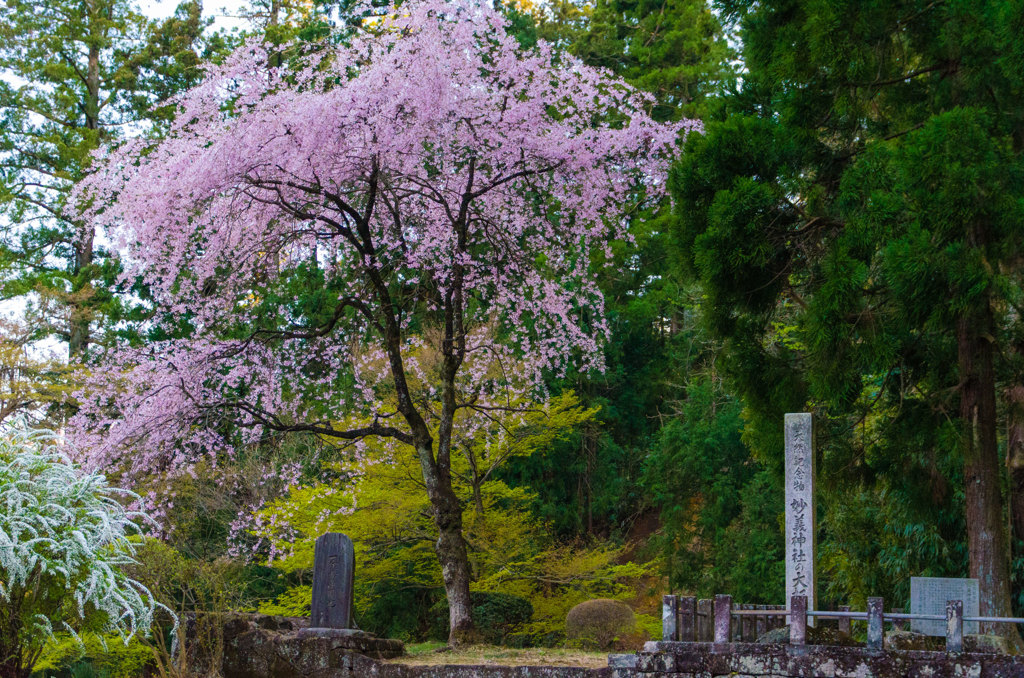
[[356, 641], [274, 647]]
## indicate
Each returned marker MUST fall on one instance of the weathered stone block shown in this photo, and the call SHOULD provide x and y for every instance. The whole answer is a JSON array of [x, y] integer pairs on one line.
[[967, 670], [622, 661], [929, 669]]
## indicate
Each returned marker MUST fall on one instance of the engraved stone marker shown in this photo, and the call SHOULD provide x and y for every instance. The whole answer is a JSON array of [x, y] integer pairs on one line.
[[334, 566], [929, 595], [800, 521]]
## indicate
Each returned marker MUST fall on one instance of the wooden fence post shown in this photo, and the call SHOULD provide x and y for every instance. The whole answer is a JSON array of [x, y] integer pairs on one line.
[[687, 619], [705, 620]]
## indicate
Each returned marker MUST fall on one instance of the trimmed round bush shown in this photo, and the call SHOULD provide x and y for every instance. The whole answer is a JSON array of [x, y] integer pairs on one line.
[[599, 623]]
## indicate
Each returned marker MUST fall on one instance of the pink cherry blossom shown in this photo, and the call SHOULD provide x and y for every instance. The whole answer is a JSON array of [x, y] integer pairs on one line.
[[445, 186]]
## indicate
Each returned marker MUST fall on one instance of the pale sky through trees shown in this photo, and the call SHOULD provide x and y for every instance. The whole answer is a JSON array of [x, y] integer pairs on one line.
[[226, 17], [224, 12]]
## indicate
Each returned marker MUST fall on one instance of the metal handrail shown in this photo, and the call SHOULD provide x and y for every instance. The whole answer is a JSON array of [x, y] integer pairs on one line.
[[898, 616], [681, 614], [996, 620]]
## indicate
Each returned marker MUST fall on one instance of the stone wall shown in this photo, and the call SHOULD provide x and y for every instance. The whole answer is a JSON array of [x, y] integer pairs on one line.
[[255, 650], [752, 660]]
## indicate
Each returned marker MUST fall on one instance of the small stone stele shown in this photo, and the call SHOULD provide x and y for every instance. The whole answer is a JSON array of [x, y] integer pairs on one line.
[[331, 626], [334, 566], [929, 595]]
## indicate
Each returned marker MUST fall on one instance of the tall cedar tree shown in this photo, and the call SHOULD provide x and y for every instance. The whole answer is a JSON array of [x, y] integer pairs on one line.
[[80, 72], [865, 187], [674, 49]]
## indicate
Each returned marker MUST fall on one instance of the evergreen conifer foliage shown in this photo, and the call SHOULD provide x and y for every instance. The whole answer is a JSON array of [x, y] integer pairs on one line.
[[856, 221], [78, 74], [675, 49]]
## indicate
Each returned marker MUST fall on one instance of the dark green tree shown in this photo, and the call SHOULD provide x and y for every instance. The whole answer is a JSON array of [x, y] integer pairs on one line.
[[719, 508], [854, 215], [594, 483], [674, 49]]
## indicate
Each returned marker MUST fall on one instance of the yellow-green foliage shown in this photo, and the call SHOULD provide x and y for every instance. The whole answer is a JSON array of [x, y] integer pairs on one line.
[[294, 602], [109, 654], [384, 509]]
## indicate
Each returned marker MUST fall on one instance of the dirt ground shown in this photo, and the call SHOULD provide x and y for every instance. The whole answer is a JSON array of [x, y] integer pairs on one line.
[[435, 654]]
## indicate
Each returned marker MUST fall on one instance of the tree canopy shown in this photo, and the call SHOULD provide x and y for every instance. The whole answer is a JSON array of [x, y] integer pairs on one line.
[[426, 183], [862, 189]]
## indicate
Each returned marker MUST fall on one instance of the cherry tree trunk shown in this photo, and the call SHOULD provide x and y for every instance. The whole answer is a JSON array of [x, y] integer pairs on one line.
[[986, 533], [451, 551]]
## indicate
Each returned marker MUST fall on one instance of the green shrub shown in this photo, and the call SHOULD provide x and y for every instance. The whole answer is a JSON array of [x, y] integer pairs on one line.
[[94, 657], [64, 542], [599, 623], [498, 616]]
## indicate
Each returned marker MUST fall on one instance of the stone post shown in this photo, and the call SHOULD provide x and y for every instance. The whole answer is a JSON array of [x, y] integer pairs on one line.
[[687, 619], [798, 620], [334, 565], [723, 618], [899, 624], [844, 622], [875, 620], [670, 618], [800, 508], [955, 626]]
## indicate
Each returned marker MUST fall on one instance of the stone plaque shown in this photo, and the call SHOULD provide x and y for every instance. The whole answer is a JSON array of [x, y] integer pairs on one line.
[[334, 566], [929, 595], [800, 520]]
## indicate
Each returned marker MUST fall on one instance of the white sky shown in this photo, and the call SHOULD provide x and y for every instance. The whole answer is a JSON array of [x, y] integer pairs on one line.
[[224, 12]]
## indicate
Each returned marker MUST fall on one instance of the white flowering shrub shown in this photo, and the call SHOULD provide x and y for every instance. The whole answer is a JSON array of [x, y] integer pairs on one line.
[[64, 537]]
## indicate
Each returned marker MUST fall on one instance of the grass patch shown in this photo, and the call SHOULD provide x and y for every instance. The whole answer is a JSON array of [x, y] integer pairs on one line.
[[433, 654]]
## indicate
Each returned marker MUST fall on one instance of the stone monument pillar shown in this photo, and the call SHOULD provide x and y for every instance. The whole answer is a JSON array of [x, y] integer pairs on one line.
[[800, 522], [334, 568], [331, 632]]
